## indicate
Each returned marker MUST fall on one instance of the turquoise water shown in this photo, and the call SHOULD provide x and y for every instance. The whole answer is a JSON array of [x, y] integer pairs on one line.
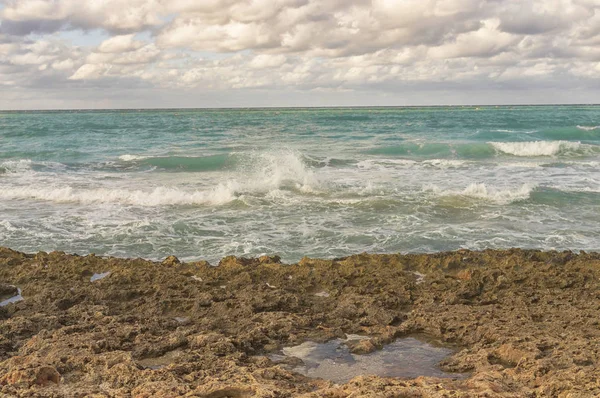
[[295, 182]]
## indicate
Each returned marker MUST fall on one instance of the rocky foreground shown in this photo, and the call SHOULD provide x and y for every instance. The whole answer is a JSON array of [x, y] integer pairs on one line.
[[526, 323]]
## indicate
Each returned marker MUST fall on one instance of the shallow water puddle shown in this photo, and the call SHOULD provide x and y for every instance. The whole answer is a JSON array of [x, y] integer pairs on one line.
[[13, 299], [404, 358], [97, 277]]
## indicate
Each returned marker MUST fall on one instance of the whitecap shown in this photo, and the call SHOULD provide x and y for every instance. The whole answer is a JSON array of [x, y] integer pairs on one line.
[[482, 192], [131, 158], [160, 196], [588, 128], [540, 148], [16, 166]]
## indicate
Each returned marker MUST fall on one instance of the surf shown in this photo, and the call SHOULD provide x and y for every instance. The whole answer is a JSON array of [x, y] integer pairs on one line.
[[545, 148]]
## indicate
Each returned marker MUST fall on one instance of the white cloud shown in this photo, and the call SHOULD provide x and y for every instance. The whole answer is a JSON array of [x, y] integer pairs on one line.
[[326, 46], [142, 55], [262, 61], [112, 15], [119, 44], [90, 71], [485, 42], [233, 36]]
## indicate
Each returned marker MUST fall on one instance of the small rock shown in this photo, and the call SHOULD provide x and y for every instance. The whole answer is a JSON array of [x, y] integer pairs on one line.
[[7, 291], [362, 347], [47, 375], [13, 298], [465, 274], [41, 376], [269, 259], [171, 261]]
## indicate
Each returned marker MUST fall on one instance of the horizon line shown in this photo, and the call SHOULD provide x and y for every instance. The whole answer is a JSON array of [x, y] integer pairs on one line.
[[296, 107]]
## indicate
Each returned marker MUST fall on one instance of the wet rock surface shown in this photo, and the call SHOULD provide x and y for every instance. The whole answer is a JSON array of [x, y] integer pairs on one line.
[[7, 291], [523, 323]]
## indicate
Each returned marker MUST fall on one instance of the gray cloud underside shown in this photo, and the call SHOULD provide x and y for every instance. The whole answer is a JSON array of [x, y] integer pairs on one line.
[[298, 50]]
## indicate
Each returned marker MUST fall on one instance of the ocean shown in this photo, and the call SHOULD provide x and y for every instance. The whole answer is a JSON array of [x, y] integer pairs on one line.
[[317, 182]]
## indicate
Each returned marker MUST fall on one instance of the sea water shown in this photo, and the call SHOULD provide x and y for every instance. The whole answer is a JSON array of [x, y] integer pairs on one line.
[[202, 184], [406, 358]]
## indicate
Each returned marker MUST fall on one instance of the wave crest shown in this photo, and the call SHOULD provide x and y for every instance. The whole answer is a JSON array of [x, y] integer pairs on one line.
[[15, 166], [588, 128], [482, 192], [159, 196], [131, 158], [543, 148], [260, 174]]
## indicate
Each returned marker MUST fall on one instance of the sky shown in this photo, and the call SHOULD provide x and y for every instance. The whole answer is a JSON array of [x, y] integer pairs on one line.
[[57, 54]]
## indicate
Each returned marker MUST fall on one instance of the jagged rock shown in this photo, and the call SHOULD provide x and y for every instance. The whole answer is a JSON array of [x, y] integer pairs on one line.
[[7, 291], [171, 261], [523, 323]]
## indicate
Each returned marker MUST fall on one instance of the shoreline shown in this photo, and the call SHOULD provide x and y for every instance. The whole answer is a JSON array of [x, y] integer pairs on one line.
[[524, 322]]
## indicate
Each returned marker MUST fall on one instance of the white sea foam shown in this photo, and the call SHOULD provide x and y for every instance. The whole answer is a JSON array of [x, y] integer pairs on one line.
[[395, 163], [539, 148], [22, 166], [514, 131], [588, 128], [16, 166], [263, 173], [481, 191], [160, 196], [576, 189], [380, 164], [521, 165], [131, 158], [445, 163], [8, 226]]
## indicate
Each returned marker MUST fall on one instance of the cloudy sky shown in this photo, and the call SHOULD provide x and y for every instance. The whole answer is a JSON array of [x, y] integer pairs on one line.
[[221, 53]]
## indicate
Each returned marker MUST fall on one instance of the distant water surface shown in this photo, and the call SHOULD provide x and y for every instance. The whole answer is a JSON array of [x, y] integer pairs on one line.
[[295, 182]]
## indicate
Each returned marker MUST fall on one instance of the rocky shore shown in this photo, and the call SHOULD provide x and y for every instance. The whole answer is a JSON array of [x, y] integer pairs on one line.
[[522, 323]]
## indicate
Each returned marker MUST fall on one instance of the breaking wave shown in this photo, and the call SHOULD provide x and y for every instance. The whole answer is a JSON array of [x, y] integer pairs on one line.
[[545, 148], [157, 197], [482, 192], [15, 166], [261, 173]]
